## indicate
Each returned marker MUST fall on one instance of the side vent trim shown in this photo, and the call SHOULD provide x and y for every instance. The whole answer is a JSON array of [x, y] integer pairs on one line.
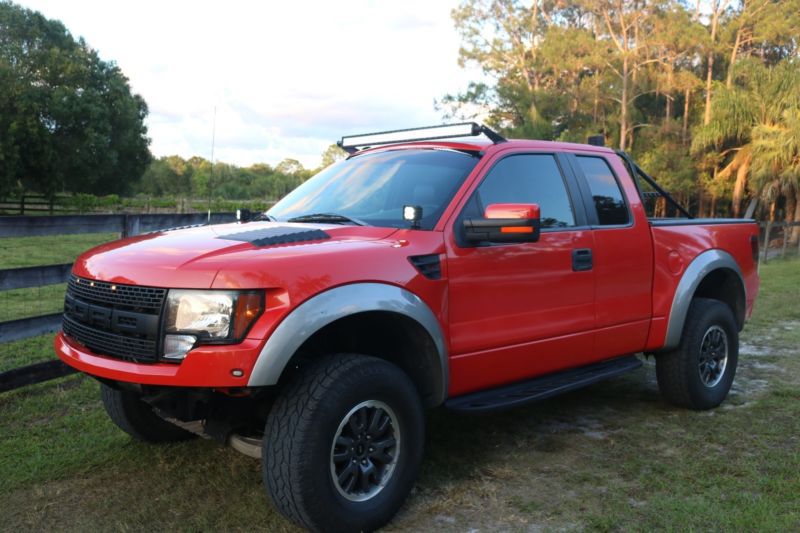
[[428, 265]]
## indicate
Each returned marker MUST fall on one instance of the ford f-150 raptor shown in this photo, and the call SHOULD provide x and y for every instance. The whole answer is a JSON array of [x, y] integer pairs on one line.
[[443, 266]]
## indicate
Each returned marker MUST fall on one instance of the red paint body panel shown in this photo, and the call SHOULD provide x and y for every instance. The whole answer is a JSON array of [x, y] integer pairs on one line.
[[504, 297], [623, 264], [675, 247], [508, 312], [206, 366]]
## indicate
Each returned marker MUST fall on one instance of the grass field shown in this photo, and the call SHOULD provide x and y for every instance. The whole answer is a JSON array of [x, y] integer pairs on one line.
[[49, 250], [610, 457]]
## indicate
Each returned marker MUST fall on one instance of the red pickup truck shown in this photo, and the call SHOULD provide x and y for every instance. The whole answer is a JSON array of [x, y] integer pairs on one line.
[[472, 273]]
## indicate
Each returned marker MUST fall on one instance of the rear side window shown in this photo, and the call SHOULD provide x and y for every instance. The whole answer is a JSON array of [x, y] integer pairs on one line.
[[529, 178], [607, 196]]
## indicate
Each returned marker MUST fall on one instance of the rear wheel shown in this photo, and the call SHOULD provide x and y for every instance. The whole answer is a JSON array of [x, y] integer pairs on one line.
[[343, 444], [138, 419], [699, 373]]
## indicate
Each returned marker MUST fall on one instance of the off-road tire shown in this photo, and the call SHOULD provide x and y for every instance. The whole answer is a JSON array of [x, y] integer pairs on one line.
[[678, 374], [297, 453], [138, 419]]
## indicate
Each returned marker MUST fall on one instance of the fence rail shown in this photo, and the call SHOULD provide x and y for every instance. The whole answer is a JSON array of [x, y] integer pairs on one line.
[[35, 204], [126, 225], [26, 277], [39, 276], [24, 328]]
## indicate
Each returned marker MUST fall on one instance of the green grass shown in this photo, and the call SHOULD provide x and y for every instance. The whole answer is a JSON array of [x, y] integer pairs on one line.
[[613, 457], [35, 301], [50, 250], [24, 352]]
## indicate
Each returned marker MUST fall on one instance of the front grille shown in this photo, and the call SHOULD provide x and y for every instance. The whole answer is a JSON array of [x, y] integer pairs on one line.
[[121, 321], [112, 344], [127, 296]]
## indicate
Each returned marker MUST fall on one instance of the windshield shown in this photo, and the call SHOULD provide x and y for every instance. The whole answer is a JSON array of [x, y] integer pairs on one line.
[[373, 188]]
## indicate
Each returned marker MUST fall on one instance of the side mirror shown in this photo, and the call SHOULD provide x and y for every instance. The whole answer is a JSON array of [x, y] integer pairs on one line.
[[505, 223]]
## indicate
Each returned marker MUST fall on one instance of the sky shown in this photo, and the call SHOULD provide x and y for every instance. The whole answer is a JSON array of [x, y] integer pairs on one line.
[[287, 78]]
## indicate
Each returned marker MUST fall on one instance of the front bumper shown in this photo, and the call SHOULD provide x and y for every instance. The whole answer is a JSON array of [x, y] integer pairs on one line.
[[205, 366]]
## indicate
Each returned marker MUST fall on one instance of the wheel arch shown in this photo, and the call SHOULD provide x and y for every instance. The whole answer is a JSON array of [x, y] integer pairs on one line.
[[376, 319], [713, 274]]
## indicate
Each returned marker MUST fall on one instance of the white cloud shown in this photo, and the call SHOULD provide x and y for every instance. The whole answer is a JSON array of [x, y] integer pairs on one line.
[[286, 78]]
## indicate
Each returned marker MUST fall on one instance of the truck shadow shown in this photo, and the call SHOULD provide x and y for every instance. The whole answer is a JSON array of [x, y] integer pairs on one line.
[[460, 445]]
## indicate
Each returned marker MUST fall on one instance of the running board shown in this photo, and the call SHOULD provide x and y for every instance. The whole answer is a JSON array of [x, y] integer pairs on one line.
[[541, 387]]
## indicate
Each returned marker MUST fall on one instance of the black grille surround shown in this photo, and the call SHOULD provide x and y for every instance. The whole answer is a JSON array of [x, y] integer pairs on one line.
[[120, 321]]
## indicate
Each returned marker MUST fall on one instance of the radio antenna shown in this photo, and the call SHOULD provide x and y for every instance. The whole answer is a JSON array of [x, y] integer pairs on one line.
[[211, 175]]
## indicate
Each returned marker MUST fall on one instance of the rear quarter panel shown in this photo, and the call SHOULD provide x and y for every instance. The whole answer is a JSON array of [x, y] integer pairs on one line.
[[676, 246]]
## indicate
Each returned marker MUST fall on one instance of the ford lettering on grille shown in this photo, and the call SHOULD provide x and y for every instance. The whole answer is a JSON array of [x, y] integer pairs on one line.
[[121, 321]]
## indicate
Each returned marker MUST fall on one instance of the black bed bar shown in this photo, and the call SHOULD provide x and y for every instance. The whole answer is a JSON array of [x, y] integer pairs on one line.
[[637, 172], [352, 143]]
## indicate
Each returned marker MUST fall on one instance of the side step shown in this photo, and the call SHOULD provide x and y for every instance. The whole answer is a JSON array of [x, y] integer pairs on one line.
[[541, 387]]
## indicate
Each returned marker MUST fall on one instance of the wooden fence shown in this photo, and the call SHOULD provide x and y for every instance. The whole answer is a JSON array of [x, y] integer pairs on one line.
[[39, 276], [125, 225], [768, 227], [78, 204]]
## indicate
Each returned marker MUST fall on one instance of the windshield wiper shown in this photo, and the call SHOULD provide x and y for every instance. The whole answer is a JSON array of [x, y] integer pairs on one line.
[[331, 218]]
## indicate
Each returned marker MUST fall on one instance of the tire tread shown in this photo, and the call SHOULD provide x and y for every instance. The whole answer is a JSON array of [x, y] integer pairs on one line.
[[290, 427], [673, 368]]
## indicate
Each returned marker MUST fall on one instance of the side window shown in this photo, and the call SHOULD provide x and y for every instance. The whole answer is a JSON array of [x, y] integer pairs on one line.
[[529, 179], [607, 196]]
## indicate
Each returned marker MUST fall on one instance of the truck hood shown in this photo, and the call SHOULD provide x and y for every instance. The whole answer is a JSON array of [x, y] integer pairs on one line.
[[192, 257]]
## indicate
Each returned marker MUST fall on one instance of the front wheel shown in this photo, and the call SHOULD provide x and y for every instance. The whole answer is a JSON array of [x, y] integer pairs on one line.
[[699, 373], [343, 444]]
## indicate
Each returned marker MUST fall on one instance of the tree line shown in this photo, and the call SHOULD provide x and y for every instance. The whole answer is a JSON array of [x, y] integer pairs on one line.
[[200, 178], [705, 94]]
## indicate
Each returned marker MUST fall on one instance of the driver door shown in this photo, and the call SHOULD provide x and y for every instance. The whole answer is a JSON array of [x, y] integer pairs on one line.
[[523, 309]]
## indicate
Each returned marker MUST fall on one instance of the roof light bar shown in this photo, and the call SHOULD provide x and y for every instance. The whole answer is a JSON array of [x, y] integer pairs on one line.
[[352, 143]]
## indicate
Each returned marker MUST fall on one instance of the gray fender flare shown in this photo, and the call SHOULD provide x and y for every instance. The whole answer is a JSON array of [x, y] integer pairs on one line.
[[333, 304], [698, 269]]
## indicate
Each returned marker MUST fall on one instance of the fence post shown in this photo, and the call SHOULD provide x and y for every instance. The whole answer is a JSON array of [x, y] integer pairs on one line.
[[22, 204], [785, 239], [130, 225], [766, 239]]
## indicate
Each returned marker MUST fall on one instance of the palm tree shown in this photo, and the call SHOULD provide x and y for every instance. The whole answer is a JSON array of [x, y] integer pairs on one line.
[[752, 129], [776, 163]]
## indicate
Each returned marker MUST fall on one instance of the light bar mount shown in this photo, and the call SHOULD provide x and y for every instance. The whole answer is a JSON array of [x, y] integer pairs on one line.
[[353, 143]]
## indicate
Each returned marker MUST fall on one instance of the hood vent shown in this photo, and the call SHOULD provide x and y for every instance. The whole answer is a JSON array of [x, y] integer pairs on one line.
[[277, 235], [428, 265]]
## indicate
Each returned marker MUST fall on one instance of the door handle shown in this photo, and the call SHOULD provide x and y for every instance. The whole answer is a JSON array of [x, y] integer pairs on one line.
[[581, 259]]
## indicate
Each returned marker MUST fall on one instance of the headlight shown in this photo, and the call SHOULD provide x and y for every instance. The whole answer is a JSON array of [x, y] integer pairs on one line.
[[208, 317]]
